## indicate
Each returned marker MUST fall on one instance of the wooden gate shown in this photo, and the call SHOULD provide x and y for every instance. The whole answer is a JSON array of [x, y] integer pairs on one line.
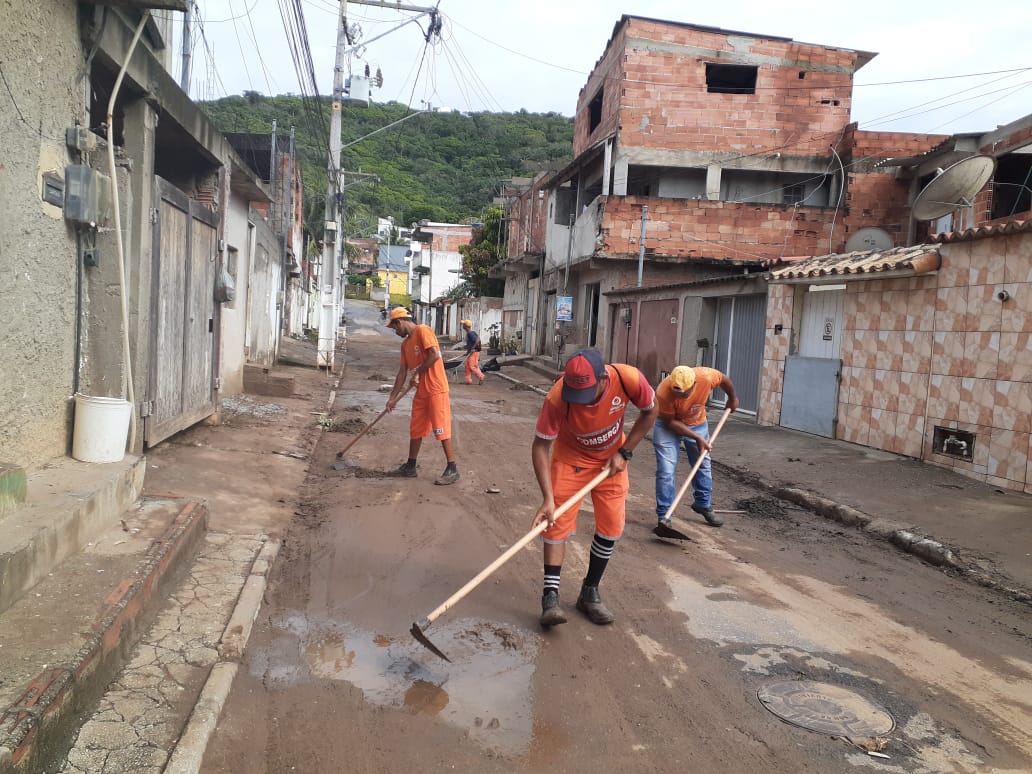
[[183, 351]]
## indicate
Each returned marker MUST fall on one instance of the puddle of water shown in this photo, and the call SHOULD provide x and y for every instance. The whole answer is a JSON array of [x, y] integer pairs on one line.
[[486, 690]]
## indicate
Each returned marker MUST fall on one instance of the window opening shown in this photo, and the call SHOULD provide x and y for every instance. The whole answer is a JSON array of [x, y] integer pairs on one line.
[[595, 111], [730, 79], [793, 194]]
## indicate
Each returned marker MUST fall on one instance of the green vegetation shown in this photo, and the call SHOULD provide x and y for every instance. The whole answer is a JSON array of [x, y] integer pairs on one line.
[[486, 248], [436, 166]]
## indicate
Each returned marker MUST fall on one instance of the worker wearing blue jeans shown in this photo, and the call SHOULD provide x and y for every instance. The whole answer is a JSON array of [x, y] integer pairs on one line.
[[681, 401]]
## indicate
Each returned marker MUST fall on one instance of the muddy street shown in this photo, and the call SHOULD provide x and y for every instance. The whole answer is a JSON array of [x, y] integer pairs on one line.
[[332, 681]]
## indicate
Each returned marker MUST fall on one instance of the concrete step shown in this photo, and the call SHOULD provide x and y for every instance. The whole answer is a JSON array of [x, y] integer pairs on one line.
[[63, 642], [67, 504]]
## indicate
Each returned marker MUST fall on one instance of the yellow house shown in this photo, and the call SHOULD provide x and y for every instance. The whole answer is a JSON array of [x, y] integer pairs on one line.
[[392, 268]]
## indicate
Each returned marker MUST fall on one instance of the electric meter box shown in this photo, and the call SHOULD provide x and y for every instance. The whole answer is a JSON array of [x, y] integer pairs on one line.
[[80, 199]]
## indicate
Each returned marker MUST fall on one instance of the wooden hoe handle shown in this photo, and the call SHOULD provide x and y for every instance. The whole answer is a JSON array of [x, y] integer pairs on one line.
[[369, 427], [698, 463], [513, 549]]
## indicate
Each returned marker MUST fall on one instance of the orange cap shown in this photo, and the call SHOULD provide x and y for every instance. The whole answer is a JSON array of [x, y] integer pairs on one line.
[[398, 313]]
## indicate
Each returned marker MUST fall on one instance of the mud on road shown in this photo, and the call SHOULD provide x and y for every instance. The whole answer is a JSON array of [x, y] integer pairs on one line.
[[332, 681]]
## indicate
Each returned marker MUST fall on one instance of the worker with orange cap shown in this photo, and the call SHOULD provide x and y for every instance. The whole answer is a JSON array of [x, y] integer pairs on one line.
[[431, 411], [681, 399], [472, 353]]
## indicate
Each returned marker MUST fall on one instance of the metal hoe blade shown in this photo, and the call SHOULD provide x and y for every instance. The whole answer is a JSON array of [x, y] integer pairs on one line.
[[671, 532], [341, 463], [417, 632]]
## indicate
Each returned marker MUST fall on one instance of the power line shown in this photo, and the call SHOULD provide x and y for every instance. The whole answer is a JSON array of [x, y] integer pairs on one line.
[[514, 51]]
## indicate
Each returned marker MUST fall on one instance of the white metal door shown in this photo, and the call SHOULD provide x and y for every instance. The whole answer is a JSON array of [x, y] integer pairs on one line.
[[820, 333]]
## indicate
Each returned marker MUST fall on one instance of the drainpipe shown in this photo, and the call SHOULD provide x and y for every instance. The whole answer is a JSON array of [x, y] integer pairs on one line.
[[127, 377], [569, 253], [641, 243]]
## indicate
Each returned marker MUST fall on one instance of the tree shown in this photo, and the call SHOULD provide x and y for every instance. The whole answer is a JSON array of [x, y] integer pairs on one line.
[[486, 248]]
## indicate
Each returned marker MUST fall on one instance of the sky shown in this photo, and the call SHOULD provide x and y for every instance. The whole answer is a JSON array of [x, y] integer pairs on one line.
[[941, 67]]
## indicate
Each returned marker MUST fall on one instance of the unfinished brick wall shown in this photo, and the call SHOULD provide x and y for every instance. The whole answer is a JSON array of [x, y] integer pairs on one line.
[[874, 196], [684, 228], [607, 75], [665, 103]]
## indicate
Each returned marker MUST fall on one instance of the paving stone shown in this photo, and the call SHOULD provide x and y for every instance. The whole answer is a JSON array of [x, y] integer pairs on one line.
[[140, 718]]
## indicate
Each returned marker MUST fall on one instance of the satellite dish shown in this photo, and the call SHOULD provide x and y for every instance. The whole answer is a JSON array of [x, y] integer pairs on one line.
[[953, 187], [869, 238]]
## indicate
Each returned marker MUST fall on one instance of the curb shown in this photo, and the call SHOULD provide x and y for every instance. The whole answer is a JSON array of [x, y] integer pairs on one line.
[[35, 727], [189, 751], [903, 536], [538, 390]]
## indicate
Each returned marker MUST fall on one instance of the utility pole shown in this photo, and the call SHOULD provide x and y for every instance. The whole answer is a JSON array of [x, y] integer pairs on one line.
[[288, 225], [333, 225], [184, 76], [329, 279]]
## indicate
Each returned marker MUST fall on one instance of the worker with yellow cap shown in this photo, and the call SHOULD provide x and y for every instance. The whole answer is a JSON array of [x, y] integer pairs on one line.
[[472, 353], [421, 364], [681, 399]]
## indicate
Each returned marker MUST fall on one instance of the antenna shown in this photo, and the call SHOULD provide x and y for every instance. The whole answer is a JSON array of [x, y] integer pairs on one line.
[[953, 187]]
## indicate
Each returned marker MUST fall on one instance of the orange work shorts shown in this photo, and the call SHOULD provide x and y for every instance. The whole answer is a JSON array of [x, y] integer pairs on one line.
[[608, 498], [431, 415]]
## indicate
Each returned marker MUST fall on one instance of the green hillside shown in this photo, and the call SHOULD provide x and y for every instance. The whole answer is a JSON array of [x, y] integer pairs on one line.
[[436, 166]]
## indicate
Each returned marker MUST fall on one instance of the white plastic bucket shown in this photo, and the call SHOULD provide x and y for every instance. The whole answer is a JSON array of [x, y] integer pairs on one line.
[[101, 428]]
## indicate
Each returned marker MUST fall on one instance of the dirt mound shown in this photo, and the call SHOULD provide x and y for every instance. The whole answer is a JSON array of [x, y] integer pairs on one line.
[[762, 507]]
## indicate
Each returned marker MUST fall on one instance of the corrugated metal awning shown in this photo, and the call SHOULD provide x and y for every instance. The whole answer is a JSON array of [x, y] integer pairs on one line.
[[862, 264]]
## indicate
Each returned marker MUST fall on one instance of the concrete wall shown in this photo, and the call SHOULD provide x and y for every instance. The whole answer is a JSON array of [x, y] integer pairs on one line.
[[263, 297], [238, 257], [935, 350], [41, 56]]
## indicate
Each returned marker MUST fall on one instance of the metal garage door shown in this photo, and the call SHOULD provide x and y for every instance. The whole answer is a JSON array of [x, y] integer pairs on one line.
[[738, 347]]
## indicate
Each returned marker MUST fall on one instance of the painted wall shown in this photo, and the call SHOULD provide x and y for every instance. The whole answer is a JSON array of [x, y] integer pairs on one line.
[[41, 55], [238, 257]]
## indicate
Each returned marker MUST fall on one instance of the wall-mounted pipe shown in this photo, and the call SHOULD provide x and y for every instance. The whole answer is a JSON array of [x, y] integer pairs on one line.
[[119, 244]]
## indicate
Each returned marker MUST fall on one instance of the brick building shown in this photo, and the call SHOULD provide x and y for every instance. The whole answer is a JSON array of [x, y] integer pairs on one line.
[[702, 157]]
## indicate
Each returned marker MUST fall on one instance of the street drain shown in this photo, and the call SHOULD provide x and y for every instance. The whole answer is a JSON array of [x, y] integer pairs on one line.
[[826, 709]]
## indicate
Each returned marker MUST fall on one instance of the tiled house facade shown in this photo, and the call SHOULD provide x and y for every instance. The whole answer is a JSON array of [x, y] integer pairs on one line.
[[939, 358]]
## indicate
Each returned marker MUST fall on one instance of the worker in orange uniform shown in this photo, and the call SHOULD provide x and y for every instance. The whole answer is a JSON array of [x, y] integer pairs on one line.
[[681, 399], [431, 411], [472, 353], [582, 424]]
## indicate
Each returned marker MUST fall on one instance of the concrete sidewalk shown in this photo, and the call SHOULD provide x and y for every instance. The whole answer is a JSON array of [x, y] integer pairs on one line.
[[945, 518], [987, 531]]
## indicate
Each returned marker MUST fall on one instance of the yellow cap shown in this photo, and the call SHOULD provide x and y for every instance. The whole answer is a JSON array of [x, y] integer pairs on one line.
[[468, 322], [683, 378]]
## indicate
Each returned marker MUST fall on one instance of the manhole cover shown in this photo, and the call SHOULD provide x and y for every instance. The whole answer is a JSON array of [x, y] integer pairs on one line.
[[826, 709]]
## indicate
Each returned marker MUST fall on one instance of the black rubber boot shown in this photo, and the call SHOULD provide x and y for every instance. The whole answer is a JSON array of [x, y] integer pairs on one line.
[[406, 470], [551, 613], [590, 603], [707, 513], [450, 475]]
